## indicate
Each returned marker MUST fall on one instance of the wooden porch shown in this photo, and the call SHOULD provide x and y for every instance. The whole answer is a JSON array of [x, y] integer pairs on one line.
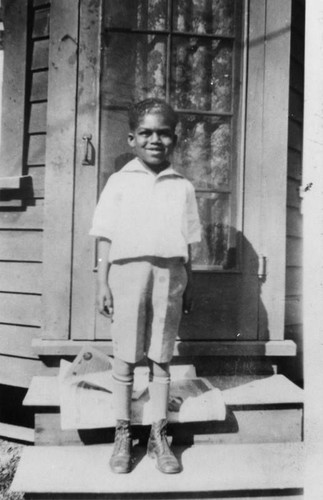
[[270, 471], [256, 452]]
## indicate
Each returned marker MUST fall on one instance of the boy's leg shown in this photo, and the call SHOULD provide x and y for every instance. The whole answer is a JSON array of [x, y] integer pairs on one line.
[[158, 447], [120, 461], [169, 282], [159, 382], [122, 388]]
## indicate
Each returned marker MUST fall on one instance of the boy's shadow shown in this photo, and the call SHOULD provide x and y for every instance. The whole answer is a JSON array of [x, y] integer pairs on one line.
[[182, 436], [227, 302], [178, 446]]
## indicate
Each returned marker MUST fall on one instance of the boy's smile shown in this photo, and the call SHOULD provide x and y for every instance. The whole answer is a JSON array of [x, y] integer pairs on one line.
[[153, 141]]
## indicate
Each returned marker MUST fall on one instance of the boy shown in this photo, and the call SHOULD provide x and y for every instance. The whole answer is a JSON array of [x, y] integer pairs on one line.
[[146, 220]]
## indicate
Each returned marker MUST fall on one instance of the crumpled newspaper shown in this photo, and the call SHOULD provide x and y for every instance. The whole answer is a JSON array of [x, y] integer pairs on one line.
[[86, 400]]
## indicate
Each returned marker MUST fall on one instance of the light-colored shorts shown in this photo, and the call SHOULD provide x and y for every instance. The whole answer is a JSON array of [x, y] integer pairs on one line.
[[147, 300]]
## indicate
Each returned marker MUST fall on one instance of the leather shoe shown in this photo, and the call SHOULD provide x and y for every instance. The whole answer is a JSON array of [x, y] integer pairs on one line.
[[158, 449], [120, 461]]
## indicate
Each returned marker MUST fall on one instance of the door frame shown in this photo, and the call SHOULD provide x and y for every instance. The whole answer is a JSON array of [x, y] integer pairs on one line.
[[86, 175]]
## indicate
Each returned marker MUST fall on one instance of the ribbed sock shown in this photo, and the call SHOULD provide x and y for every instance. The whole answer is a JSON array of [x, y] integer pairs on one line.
[[122, 392], [159, 396]]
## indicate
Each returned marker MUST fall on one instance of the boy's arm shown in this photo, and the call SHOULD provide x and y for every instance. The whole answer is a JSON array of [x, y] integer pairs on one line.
[[188, 294], [104, 295]]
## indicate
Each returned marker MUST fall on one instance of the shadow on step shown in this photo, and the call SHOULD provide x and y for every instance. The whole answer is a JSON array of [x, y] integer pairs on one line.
[[182, 433], [273, 494]]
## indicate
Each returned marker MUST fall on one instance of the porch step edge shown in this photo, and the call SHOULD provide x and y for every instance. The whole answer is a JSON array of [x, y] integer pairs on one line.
[[244, 467], [44, 347]]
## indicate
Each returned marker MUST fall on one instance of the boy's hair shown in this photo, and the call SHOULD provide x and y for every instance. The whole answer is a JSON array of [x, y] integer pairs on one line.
[[152, 105]]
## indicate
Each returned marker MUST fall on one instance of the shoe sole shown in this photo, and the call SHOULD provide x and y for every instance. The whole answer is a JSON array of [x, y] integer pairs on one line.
[[153, 456], [120, 471]]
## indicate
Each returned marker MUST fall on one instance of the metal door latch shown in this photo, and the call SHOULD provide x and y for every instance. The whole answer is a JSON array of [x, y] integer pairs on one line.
[[88, 150]]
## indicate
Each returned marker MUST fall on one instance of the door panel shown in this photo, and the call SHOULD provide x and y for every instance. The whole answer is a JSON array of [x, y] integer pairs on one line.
[[188, 53]]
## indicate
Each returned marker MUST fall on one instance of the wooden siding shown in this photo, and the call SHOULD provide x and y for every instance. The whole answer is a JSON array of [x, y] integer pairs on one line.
[[21, 230], [274, 152], [20, 372], [293, 319]]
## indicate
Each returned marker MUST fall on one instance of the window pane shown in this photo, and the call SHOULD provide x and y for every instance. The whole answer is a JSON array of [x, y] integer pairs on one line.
[[135, 14], [204, 16], [134, 67], [203, 153], [202, 74], [214, 214]]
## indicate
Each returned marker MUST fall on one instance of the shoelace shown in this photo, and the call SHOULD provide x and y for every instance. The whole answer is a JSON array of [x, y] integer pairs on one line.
[[122, 440], [161, 441]]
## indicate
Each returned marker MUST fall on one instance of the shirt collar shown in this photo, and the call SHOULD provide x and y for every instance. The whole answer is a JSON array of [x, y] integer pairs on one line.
[[135, 165]]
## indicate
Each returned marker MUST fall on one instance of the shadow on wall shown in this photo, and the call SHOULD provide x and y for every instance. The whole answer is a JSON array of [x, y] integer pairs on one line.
[[227, 302]]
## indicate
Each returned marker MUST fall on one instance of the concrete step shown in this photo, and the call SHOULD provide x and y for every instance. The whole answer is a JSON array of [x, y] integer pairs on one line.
[[222, 471], [259, 410]]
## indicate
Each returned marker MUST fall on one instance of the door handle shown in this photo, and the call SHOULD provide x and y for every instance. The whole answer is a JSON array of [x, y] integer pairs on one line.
[[262, 271], [88, 150]]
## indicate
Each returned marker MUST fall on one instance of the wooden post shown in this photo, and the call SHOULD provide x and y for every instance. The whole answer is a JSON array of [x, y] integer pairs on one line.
[[266, 160], [274, 163], [59, 181], [313, 248]]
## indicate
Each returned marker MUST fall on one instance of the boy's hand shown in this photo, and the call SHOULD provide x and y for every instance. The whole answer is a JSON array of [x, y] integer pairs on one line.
[[188, 298], [105, 301]]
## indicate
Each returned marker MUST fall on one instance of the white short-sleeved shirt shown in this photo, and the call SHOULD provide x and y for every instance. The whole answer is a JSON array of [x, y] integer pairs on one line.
[[147, 215]]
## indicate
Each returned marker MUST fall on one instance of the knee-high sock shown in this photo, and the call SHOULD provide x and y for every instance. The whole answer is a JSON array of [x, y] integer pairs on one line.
[[122, 392], [159, 396]]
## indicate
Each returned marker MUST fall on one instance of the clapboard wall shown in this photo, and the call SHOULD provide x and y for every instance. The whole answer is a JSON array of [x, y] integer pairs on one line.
[[293, 319], [21, 228]]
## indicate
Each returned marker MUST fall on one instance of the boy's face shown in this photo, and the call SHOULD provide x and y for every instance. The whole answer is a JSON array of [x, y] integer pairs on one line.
[[153, 141]]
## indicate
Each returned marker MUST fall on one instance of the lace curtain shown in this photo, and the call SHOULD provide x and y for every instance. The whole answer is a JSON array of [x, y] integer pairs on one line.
[[181, 51]]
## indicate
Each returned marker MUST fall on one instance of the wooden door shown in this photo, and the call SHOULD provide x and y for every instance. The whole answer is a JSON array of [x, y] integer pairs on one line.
[[193, 55]]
